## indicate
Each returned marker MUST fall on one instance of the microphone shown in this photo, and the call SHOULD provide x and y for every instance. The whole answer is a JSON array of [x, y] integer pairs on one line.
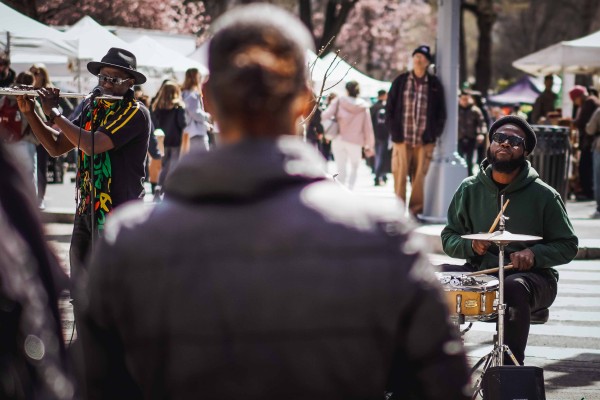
[[97, 91]]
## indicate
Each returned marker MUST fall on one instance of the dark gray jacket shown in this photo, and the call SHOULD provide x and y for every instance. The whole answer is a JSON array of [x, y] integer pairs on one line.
[[264, 280]]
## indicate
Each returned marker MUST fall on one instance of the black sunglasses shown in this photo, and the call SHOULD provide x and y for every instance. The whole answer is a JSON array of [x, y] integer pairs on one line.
[[112, 80], [514, 141]]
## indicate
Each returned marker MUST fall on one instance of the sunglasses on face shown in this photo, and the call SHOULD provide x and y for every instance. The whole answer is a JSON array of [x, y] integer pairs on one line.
[[111, 80], [514, 141]]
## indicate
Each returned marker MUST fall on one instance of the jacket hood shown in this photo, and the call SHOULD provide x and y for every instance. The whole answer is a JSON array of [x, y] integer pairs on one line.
[[353, 105], [244, 170], [527, 176]]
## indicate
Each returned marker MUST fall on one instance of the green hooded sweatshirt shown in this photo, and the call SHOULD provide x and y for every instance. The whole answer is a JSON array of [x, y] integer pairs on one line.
[[534, 209]]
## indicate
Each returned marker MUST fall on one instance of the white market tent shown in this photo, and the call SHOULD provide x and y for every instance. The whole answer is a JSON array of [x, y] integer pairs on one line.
[[28, 36], [580, 56], [344, 72], [32, 42], [93, 39], [159, 56], [154, 60]]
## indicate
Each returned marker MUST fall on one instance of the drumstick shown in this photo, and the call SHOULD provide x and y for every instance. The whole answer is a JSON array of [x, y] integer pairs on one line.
[[490, 271], [498, 217]]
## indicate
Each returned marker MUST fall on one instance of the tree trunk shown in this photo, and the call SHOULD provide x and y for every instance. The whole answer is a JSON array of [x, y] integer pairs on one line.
[[462, 50], [305, 12], [486, 17], [336, 14]]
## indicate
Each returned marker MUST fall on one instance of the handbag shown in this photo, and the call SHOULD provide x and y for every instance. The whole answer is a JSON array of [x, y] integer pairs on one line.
[[331, 127]]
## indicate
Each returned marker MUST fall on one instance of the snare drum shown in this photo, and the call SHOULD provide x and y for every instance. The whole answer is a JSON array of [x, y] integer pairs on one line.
[[474, 297]]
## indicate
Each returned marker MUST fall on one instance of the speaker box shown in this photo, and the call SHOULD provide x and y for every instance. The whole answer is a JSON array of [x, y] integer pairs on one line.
[[513, 382]]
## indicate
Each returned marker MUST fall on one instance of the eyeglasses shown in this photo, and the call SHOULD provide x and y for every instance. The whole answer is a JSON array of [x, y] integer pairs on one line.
[[514, 141], [112, 80]]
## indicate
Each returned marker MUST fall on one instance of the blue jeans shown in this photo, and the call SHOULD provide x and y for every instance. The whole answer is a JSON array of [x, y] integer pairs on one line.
[[596, 163], [382, 158]]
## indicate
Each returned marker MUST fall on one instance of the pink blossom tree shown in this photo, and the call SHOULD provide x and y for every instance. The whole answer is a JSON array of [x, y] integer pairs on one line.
[[179, 16], [381, 34]]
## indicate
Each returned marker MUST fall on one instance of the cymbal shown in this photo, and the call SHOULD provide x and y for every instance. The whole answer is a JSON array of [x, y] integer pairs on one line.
[[502, 237]]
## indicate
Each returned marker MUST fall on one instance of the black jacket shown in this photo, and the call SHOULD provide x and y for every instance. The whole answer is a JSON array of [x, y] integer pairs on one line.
[[265, 280], [436, 109]]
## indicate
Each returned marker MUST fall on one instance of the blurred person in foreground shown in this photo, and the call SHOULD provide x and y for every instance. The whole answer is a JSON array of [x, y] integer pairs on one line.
[[119, 142], [535, 209], [33, 360], [276, 283], [415, 115]]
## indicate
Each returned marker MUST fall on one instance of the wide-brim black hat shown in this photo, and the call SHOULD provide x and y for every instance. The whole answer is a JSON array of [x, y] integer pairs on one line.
[[530, 136], [121, 59]]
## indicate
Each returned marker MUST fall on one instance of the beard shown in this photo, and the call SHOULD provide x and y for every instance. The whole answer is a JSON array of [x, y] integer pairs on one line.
[[506, 167]]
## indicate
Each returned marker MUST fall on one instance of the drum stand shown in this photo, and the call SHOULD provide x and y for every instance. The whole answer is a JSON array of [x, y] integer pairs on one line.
[[496, 357]]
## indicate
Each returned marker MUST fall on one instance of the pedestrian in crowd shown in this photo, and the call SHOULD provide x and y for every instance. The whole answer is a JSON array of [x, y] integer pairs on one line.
[[168, 113], [7, 74], [326, 142], [153, 160], [314, 128], [535, 209], [276, 282], [416, 114], [471, 128], [114, 132], [195, 136], [34, 360], [586, 105], [355, 133], [592, 128], [545, 102], [16, 133], [382, 139], [42, 80]]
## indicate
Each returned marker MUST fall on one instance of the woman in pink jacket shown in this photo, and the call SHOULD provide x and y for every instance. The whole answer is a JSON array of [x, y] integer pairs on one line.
[[355, 132]]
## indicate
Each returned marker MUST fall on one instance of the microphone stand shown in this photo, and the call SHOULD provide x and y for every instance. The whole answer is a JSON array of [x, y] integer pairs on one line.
[[93, 191], [95, 93]]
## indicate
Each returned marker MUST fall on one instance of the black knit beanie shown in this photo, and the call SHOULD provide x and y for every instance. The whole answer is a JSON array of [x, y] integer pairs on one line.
[[530, 137]]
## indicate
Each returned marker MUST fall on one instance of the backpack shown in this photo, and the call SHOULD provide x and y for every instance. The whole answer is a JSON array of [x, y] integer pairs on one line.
[[11, 122]]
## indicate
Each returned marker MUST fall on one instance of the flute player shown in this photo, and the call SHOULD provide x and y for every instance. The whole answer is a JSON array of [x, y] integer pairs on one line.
[[115, 132]]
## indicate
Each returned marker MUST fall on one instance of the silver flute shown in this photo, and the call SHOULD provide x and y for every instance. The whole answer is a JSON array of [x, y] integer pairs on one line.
[[34, 93]]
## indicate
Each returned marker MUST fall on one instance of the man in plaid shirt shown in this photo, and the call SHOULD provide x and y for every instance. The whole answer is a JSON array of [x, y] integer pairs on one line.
[[415, 117]]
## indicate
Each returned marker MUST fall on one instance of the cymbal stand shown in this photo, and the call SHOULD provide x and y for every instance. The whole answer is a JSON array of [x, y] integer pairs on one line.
[[496, 357]]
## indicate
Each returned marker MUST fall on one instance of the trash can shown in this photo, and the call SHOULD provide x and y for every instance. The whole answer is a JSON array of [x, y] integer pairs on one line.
[[551, 156]]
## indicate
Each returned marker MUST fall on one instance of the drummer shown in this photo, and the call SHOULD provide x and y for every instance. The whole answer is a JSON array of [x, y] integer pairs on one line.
[[534, 209]]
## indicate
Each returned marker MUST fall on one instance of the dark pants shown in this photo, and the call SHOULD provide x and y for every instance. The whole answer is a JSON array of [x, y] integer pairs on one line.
[[42, 171], [524, 292], [382, 159], [466, 148], [81, 245], [586, 173]]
